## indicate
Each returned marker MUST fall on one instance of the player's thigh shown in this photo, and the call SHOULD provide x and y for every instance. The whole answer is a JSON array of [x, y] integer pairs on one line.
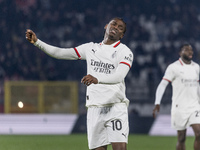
[[194, 118], [181, 135], [119, 146], [117, 125], [97, 133], [196, 129], [179, 120], [101, 148], [194, 122]]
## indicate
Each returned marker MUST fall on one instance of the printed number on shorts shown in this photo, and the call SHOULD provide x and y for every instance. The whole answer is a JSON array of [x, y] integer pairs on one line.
[[197, 113], [116, 124]]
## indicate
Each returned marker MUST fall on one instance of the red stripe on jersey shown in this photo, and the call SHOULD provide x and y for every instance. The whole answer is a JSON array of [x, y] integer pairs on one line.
[[180, 62], [125, 63], [116, 44], [79, 56], [167, 80]]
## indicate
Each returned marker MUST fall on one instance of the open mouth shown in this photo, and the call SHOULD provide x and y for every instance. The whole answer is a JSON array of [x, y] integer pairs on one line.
[[190, 56], [113, 31]]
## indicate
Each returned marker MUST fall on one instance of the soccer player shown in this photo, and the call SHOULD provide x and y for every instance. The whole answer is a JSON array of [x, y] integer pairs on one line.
[[108, 63], [183, 74]]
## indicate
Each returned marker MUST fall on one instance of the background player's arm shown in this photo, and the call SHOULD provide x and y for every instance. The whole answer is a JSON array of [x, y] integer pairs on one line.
[[56, 52], [159, 94]]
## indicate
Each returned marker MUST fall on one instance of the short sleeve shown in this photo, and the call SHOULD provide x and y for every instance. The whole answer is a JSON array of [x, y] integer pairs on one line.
[[126, 57], [82, 49], [169, 73]]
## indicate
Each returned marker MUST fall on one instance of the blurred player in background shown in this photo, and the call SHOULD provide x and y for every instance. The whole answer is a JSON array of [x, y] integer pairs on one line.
[[184, 77], [107, 65]]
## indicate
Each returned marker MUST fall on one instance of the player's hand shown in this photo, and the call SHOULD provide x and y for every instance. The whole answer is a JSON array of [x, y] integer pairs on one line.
[[89, 79], [156, 110], [31, 36]]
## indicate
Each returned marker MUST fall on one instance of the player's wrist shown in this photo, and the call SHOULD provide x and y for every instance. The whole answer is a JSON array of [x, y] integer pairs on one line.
[[157, 104], [36, 42]]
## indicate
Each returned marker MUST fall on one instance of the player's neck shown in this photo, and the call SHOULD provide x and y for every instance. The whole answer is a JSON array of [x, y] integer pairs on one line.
[[108, 41], [186, 61]]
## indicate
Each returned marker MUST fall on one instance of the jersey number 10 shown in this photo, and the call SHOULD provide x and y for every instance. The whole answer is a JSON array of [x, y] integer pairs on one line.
[[116, 124]]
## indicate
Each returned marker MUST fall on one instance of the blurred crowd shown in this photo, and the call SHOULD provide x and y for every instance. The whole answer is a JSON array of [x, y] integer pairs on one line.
[[155, 31]]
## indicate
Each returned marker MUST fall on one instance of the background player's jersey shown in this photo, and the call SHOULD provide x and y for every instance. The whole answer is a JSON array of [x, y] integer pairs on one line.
[[185, 84], [103, 60]]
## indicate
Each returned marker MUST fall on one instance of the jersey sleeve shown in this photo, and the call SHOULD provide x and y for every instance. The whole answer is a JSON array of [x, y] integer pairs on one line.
[[116, 77], [81, 50], [126, 57], [169, 74], [125, 63], [56, 52], [160, 91]]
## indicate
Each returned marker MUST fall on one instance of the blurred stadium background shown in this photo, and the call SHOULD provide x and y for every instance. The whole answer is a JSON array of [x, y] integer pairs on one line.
[[50, 89]]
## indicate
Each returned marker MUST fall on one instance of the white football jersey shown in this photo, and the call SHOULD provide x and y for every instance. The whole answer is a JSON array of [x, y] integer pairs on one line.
[[185, 84], [104, 59]]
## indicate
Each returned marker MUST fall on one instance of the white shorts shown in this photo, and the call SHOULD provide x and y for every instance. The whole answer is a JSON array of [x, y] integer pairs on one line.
[[180, 119], [107, 124]]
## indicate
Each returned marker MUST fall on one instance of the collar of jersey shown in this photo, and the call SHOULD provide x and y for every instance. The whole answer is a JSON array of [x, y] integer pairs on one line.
[[114, 44], [182, 63]]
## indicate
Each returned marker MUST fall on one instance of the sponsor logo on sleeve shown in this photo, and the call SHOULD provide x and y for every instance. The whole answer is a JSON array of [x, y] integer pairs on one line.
[[129, 58]]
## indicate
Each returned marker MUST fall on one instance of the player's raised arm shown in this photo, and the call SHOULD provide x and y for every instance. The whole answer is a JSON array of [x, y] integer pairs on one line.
[[56, 52]]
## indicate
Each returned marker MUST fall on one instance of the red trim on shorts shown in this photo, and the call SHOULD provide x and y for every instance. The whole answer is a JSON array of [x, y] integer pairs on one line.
[[125, 63], [167, 80], [116, 44], [79, 56]]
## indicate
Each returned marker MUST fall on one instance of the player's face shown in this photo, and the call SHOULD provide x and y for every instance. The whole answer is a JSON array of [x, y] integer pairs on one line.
[[187, 53], [115, 29]]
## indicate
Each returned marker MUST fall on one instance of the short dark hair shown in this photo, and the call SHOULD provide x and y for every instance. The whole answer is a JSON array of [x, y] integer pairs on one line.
[[118, 18], [182, 46]]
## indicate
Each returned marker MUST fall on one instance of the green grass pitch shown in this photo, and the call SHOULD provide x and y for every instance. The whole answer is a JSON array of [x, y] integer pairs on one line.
[[79, 142]]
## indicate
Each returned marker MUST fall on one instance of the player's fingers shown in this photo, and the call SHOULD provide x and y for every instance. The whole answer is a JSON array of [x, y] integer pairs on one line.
[[28, 38], [84, 80], [157, 109], [154, 114], [28, 35], [29, 31], [87, 80]]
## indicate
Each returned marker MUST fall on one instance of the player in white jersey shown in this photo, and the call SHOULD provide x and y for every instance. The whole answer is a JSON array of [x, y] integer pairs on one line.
[[183, 74], [108, 63]]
